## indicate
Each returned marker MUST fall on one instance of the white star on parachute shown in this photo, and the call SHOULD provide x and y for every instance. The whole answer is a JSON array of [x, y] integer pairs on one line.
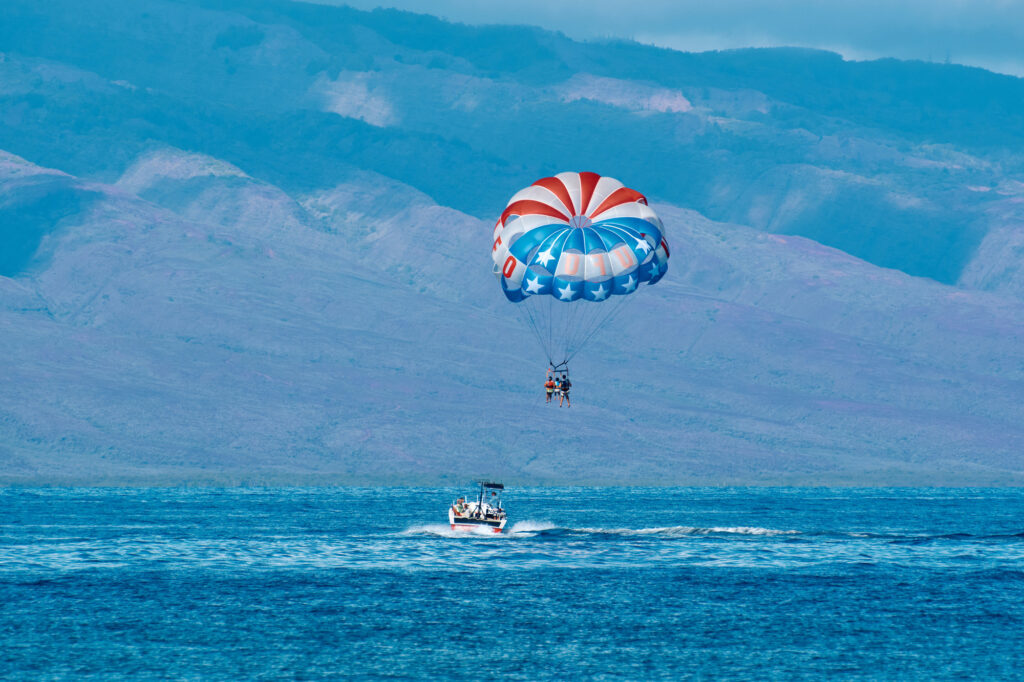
[[566, 293], [600, 293], [643, 245], [532, 285], [544, 256], [630, 284]]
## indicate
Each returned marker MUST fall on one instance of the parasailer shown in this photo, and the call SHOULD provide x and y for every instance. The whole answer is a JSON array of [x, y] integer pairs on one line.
[[569, 250], [549, 385], [564, 395]]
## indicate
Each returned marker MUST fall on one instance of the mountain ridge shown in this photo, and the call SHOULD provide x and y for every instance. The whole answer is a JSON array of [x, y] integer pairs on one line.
[[463, 113], [214, 322], [246, 241]]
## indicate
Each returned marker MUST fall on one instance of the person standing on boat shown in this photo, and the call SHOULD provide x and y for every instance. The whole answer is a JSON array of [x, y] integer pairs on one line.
[[564, 393]]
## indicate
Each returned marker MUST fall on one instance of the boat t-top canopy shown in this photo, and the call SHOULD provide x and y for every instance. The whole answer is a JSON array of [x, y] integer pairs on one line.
[[496, 486]]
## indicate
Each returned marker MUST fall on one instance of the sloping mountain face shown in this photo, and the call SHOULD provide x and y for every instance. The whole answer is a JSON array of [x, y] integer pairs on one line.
[[893, 162], [197, 324], [998, 262], [248, 241]]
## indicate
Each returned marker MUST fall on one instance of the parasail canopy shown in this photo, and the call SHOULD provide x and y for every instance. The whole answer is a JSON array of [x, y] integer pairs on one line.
[[569, 249]]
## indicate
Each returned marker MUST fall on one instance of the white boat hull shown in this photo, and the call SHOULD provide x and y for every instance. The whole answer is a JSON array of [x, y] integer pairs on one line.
[[469, 523]]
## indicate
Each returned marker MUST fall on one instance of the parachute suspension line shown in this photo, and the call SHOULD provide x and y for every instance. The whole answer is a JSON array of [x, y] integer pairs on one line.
[[584, 314], [565, 313], [620, 305], [600, 323], [572, 312], [579, 325], [577, 312], [590, 314], [603, 316], [562, 328], [551, 325], [537, 325], [526, 314], [562, 313]]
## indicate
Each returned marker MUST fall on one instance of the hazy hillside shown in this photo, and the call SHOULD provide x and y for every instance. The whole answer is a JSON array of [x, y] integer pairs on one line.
[[886, 160], [247, 240], [221, 330]]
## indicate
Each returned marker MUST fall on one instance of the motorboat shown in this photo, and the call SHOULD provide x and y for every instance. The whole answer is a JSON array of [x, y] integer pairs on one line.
[[483, 513]]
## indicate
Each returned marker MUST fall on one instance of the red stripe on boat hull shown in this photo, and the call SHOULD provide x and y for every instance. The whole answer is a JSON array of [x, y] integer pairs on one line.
[[471, 526]]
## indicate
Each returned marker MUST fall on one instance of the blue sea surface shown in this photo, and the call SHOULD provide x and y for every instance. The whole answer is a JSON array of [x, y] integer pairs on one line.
[[743, 583]]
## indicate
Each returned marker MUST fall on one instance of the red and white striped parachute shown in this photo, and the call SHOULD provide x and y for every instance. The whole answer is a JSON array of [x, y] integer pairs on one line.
[[568, 243]]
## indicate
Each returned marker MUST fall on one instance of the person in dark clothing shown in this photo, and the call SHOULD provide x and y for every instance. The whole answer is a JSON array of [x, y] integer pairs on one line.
[[564, 393]]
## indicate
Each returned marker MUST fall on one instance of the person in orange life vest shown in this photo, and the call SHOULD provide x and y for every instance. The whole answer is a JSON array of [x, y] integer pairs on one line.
[[549, 385]]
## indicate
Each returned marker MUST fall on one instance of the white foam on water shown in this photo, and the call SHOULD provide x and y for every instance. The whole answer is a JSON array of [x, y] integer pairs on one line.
[[528, 529], [748, 530], [531, 527], [446, 531], [689, 530], [521, 529]]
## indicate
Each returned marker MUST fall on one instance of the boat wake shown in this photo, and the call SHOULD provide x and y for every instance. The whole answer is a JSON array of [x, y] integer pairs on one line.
[[529, 529], [444, 530], [534, 527], [684, 531], [522, 529]]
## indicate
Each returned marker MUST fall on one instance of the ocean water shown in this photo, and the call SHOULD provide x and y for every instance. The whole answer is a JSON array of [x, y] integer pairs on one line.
[[606, 583]]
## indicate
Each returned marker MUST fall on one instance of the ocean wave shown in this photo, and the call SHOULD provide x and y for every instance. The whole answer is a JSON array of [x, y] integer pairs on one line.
[[918, 538], [1005, 536]]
